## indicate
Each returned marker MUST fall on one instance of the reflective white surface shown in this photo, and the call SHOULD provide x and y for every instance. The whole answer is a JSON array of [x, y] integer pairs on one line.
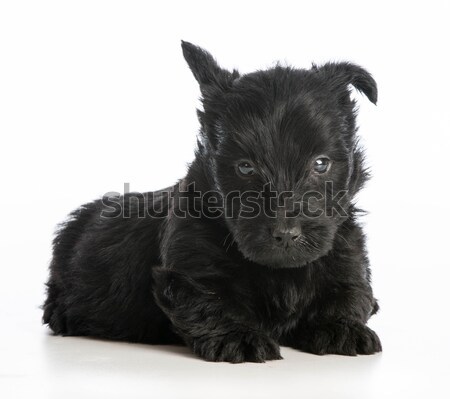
[[35, 364]]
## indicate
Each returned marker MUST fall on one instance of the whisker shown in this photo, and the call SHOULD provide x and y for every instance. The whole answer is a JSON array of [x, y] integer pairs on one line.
[[339, 235], [226, 238]]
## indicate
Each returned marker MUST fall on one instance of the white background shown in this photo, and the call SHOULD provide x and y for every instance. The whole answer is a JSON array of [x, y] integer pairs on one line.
[[94, 94]]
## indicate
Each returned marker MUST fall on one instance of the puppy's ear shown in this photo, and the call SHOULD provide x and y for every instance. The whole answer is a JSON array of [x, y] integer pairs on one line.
[[344, 73], [205, 69]]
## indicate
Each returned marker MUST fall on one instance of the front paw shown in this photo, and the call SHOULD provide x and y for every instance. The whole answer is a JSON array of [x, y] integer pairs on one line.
[[237, 348], [342, 338]]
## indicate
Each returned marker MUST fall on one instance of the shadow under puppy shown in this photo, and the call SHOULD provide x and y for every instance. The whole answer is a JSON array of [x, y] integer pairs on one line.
[[236, 279]]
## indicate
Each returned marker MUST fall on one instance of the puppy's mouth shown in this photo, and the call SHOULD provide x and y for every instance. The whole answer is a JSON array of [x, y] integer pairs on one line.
[[281, 257], [258, 246]]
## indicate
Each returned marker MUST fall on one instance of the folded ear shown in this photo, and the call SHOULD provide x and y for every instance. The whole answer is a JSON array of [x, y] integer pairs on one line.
[[205, 69], [344, 73]]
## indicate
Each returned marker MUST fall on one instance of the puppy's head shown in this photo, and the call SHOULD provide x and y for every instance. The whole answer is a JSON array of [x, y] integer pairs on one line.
[[283, 141]]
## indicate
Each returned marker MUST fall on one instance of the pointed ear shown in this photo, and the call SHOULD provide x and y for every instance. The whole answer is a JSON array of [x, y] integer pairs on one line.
[[344, 73], [205, 69]]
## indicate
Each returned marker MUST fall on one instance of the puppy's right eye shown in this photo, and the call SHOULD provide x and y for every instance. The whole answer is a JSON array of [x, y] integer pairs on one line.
[[321, 165], [246, 169]]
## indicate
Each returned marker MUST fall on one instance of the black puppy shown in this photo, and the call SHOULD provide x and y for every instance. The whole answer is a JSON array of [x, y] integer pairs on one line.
[[257, 246]]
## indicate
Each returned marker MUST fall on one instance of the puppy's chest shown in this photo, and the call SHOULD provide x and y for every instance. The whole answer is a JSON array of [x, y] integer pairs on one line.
[[287, 300]]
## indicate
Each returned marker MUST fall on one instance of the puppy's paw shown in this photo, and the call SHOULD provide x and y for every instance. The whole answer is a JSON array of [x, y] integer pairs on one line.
[[237, 348], [342, 338]]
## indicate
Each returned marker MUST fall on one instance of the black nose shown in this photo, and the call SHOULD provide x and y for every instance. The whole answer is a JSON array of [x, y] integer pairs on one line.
[[286, 236]]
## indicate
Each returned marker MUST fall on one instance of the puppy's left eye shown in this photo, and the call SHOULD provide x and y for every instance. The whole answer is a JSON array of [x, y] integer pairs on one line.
[[246, 169], [321, 165]]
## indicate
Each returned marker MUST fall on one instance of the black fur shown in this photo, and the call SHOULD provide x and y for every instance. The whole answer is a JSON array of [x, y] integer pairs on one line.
[[223, 285]]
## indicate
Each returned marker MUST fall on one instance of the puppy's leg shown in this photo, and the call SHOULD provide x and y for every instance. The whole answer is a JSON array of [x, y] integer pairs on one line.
[[213, 324], [344, 337], [337, 325]]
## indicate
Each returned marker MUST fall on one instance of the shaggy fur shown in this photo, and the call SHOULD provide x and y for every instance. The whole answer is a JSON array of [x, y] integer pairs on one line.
[[224, 285]]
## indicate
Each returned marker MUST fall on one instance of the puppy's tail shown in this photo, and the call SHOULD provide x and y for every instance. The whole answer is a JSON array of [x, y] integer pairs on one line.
[[58, 285]]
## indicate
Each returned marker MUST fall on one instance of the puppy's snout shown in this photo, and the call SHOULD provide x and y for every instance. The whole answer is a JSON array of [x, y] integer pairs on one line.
[[286, 236]]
